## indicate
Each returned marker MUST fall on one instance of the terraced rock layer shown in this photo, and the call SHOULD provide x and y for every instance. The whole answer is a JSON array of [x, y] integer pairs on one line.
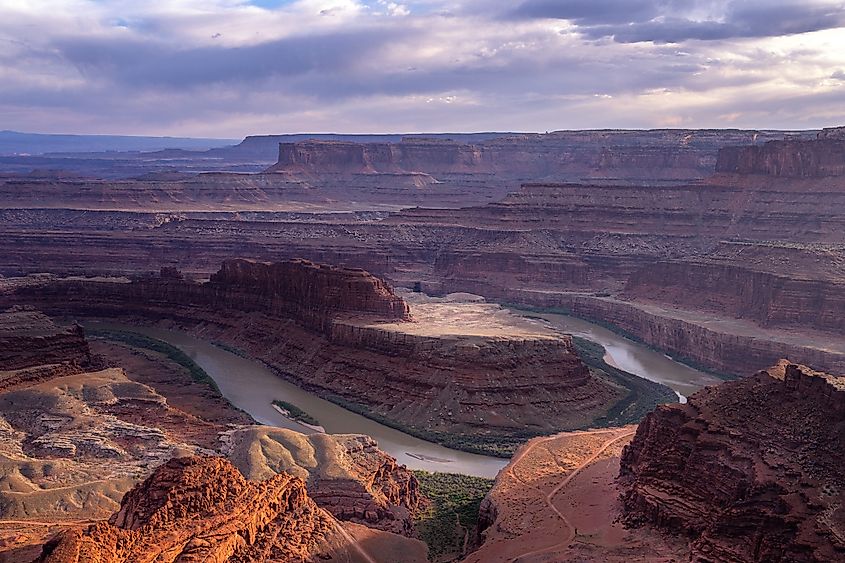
[[749, 469], [752, 246], [202, 509], [347, 475], [481, 386], [29, 338], [629, 155]]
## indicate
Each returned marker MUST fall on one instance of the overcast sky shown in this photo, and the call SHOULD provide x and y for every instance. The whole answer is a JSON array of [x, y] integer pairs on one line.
[[230, 68]]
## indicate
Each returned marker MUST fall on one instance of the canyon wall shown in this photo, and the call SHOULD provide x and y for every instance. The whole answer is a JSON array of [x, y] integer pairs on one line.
[[626, 155], [748, 469], [311, 293], [29, 338], [493, 389], [692, 336], [821, 157], [770, 299]]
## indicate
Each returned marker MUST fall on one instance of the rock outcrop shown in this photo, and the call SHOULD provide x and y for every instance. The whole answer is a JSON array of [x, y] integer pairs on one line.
[[202, 509], [312, 293], [792, 158], [30, 338], [497, 387], [751, 470], [347, 475]]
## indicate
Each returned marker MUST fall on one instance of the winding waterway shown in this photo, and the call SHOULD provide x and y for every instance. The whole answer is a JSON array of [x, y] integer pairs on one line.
[[251, 386], [633, 357]]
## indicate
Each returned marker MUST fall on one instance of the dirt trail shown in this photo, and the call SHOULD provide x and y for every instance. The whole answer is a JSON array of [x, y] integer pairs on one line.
[[550, 496]]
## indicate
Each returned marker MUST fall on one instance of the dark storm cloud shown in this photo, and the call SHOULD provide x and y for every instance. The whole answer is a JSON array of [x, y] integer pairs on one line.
[[144, 63], [589, 12], [674, 21], [224, 68]]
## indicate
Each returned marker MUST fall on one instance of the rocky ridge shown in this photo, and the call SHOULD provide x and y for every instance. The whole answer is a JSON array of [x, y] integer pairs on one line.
[[202, 509], [29, 338], [347, 475], [75, 440], [748, 469], [492, 387]]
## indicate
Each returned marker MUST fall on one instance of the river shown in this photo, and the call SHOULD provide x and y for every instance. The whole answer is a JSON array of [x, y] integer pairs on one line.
[[634, 357], [252, 386]]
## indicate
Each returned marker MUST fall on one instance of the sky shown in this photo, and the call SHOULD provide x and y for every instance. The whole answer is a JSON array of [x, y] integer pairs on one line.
[[231, 68]]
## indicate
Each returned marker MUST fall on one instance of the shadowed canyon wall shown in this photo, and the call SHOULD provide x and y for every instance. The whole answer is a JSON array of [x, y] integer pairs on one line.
[[748, 468]]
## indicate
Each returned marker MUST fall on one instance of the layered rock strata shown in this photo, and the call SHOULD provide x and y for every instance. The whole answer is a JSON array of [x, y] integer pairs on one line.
[[749, 469], [202, 509], [311, 293], [824, 156], [630, 155], [347, 475], [725, 345], [29, 338], [494, 385], [648, 242]]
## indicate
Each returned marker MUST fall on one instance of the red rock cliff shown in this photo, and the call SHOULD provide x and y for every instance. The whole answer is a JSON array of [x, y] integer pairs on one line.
[[29, 338], [311, 292], [750, 469], [822, 157], [202, 509]]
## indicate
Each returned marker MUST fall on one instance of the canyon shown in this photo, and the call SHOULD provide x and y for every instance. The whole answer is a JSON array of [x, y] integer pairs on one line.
[[82, 429], [345, 335], [744, 471], [414, 279], [750, 247]]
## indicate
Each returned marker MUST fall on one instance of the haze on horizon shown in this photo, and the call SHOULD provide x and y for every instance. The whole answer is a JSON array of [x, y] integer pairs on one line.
[[231, 68]]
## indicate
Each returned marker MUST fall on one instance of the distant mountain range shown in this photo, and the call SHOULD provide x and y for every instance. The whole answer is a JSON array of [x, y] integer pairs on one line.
[[16, 143]]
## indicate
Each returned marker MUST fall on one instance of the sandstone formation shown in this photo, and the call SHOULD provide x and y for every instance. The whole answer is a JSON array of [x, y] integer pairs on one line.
[[347, 475], [309, 292], [76, 437], [749, 469], [202, 509], [745, 249], [353, 342], [557, 501], [29, 338]]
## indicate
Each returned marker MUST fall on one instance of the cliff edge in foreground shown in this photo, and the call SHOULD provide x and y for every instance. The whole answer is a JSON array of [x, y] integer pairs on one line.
[[202, 509], [751, 469]]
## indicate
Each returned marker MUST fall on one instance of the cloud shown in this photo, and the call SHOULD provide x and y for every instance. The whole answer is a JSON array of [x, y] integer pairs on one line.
[[230, 67], [674, 21], [589, 11]]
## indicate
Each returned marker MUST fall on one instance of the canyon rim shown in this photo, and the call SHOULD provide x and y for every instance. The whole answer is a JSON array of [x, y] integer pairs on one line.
[[296, 281]]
